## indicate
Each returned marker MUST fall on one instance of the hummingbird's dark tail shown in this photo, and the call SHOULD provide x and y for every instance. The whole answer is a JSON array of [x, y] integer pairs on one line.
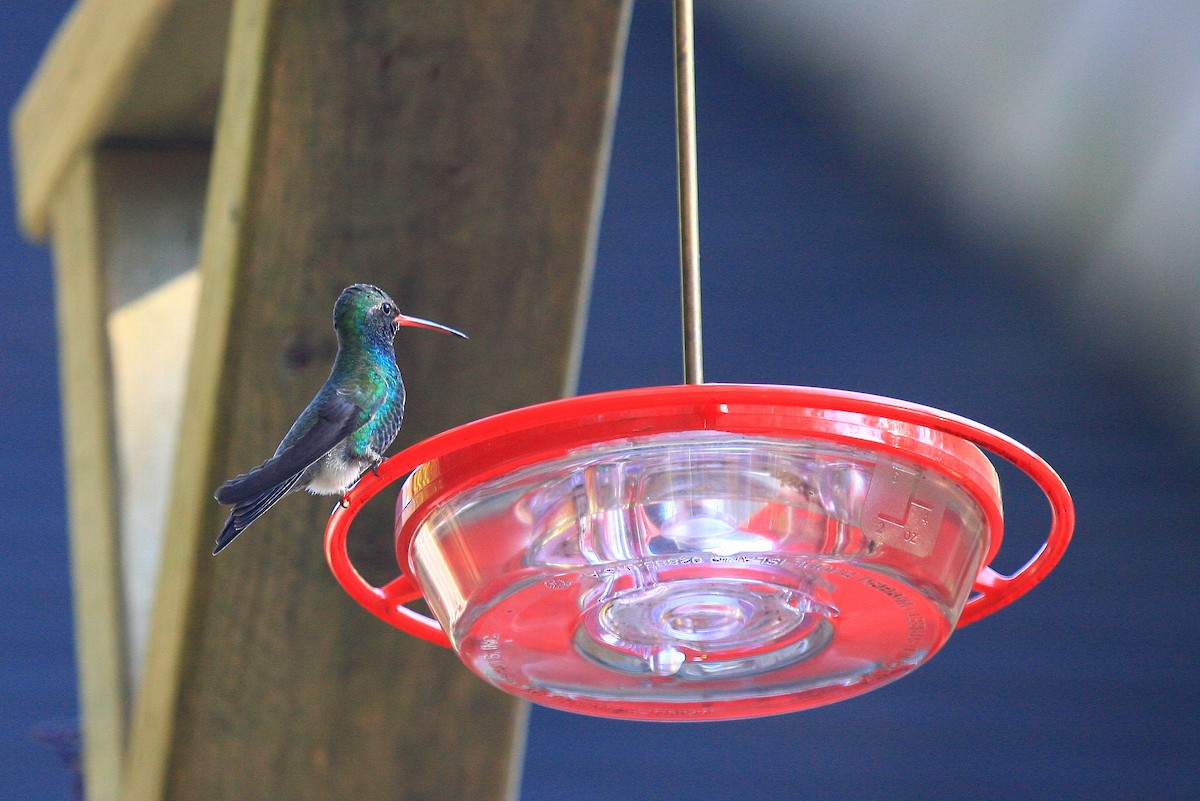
[[227, 534], [246, 512], [261, 480]]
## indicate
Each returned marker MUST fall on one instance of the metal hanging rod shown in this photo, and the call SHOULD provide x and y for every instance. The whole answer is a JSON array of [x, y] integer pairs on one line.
[[689, 206]]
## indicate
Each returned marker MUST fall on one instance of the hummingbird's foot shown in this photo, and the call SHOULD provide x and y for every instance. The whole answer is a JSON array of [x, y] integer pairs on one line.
[[373, 470], [344, 502]]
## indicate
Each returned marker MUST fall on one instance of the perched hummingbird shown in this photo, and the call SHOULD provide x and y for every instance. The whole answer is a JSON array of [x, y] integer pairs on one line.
[[344, 430]]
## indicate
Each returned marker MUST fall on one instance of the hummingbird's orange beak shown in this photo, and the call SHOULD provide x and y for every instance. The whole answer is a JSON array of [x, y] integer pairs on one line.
[[417, 322]]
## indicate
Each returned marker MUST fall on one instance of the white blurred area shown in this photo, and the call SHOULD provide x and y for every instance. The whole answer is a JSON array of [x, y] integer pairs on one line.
[[1069, 127]]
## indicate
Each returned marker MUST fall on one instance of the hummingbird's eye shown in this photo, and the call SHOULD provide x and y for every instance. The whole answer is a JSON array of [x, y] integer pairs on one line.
[[387, 309]]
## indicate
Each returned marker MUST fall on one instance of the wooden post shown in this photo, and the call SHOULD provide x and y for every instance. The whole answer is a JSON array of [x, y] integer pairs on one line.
[[453, 153], [86, 382]]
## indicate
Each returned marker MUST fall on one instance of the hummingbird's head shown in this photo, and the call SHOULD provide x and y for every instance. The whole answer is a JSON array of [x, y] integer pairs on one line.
[[366, 309]]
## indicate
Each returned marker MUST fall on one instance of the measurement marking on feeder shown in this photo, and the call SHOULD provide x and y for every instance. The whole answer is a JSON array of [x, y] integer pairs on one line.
[[902, 519]]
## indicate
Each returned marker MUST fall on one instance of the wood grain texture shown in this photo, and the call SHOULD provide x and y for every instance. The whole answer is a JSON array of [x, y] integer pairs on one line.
[[91, 478], [453, 154]]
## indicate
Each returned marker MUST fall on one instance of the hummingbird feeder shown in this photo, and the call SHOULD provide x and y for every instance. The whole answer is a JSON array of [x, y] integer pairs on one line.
[[703, 551]]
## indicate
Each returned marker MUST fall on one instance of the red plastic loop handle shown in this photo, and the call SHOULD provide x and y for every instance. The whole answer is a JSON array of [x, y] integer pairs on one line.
[[387, 602], [993, 589]]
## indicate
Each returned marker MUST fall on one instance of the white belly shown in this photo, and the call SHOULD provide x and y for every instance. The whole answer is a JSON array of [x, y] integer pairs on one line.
[[332, 474]]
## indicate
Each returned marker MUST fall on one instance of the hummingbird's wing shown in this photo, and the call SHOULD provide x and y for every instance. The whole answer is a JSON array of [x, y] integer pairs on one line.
[[336, 419]]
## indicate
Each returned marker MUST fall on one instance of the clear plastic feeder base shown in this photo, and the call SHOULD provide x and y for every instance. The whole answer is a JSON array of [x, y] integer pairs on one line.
[[695, 553]]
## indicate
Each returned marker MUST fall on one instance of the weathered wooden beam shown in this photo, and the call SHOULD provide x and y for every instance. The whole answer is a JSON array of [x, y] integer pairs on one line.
[[91, 477], [232, 173], [117, 69], [124, 249], [454, 154]]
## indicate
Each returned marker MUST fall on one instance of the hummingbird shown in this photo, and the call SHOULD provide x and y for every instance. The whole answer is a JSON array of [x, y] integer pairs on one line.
[[344, 430]]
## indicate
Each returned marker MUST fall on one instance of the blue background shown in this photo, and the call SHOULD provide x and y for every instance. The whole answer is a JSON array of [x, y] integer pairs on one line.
[[824, 264]]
